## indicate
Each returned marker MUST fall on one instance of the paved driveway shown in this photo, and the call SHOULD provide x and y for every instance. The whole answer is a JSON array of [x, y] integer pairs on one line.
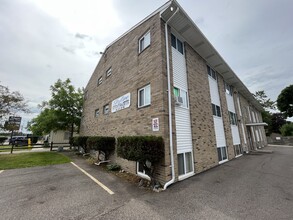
[[251, 187]]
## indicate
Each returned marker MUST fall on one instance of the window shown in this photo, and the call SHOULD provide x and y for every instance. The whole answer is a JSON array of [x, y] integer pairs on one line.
[[222, 153], [233, 118], [109, 72], [100, 80], [238, 150], [106, 109], [176, 43], [212, 73], [216, 110], [97, 113], [144, 42], [183, 94], [184, 163], [228, 89], [144, 96]]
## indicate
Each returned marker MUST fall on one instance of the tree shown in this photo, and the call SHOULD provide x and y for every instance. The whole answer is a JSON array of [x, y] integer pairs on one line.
[[62, 112], [285, 101], [268, 105], [11, 102], [287, 129], [278, 120], [263, 99]]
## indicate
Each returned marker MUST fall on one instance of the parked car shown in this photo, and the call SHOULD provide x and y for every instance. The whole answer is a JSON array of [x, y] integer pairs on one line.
[[18, 140]]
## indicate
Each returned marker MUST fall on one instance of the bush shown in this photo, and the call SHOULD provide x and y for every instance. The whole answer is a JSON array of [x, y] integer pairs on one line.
[[79, 141], [287, 129], [105, 144], [141, 148], [2, 139], [114, 167]]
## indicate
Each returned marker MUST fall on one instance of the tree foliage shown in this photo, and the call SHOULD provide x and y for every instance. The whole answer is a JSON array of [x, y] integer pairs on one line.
[[287, 129], [278, 120], [285, 101], [263, 99], [11, 102], [62, 112]]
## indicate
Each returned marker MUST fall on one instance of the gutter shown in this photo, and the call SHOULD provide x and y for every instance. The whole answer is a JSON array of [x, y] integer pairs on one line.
[[169, 103]]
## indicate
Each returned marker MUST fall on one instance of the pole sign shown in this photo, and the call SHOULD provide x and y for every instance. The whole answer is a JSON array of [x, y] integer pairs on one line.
[[13, 123]]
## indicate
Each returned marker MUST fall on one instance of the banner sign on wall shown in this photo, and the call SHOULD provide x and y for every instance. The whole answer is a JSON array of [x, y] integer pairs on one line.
[[121, 103]]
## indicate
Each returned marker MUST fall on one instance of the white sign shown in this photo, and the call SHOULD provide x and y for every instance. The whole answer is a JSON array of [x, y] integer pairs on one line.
[[121, 103], [155, 124]]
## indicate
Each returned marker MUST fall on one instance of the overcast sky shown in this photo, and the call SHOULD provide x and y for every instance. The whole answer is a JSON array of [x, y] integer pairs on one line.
[[43, 40]]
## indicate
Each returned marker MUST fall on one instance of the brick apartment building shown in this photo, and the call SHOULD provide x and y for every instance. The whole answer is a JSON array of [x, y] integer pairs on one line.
[[163, 77]]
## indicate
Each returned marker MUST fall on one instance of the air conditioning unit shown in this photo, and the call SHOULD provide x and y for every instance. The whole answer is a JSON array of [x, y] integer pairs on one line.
[[178, 100]]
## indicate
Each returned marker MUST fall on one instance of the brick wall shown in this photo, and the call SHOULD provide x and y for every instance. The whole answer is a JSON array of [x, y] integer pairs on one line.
[[203, 133]]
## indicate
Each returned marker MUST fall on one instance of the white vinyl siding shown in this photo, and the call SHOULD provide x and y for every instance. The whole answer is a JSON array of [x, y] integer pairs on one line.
[[215, 98], [182, 113], [244, 135], [233, 118], [219, 131]]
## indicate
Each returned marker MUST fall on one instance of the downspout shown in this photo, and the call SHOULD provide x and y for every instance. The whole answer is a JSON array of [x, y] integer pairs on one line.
[[169, 103]]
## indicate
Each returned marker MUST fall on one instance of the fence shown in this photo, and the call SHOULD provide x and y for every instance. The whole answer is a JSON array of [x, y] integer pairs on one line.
[[51, 145]]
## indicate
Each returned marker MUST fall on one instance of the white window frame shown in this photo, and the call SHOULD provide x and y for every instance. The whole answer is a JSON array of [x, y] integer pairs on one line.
[[186, 102], [228, 89], [223, 160], [212, 73], [141, 174], [100, 80], [177, 40], [143, 43], [189, 174], [109, 72], [240, 149], [216, 110], [144, 98]]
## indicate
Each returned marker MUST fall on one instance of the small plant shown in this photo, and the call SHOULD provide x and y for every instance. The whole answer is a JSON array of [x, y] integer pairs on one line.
[[114, 167], [2, 139]]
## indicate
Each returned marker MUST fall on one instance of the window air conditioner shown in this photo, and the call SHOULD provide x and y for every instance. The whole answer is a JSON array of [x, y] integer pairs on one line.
[[178, 100]]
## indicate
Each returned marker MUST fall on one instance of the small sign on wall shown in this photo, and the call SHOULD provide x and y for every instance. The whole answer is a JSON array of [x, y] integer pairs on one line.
[[155, 124]]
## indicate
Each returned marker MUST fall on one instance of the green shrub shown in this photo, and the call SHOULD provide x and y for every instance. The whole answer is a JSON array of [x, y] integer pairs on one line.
[[114, 167], [287, 129], [2, 139], [79, 141], [141, 148], [105, 144]]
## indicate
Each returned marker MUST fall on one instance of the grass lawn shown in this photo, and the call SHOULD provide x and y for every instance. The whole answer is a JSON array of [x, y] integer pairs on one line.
[[4, 148], [21, 160]]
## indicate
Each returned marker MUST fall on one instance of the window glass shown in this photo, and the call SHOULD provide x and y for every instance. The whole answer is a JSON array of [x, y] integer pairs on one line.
[[97, 112], [183, 94], [188, 159], [106, 109], [109, 72], [219, 154], [180, 46], [218, 111], [224, 153], [145, 41], [180, 164], [100, 80], [176, 92], [173, 41], [214, 109], [141, 97], [147, 95]]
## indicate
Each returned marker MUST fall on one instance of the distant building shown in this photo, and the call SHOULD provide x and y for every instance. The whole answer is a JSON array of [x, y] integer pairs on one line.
[[163, 77]]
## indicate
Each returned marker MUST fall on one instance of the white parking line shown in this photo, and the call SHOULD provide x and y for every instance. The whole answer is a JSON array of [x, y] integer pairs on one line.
[[1, 171], [94, 179]]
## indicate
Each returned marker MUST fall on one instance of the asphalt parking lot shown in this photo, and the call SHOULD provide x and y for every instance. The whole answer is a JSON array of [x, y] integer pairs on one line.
[[258, 186]]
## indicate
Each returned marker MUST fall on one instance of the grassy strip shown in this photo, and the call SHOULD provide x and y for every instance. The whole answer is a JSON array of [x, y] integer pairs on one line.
[[8, 148], [12, 161]]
